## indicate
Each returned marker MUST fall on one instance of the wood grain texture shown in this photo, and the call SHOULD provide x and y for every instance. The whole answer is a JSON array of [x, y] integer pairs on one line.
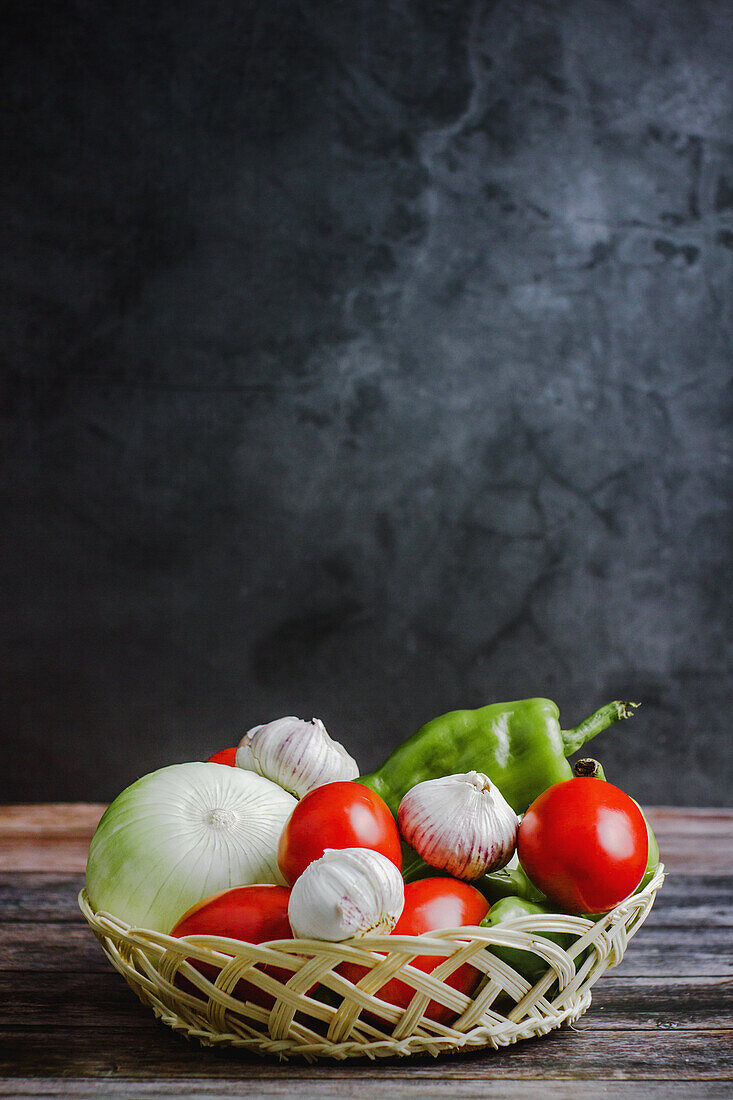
[[644, 1055], [373, 1088], [48, 837], [69, 1026]]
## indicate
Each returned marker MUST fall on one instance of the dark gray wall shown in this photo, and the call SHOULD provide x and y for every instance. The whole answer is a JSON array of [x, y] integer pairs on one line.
[[364, 360]]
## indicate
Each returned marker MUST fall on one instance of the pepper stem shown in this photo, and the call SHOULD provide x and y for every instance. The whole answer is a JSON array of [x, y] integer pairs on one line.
[[575, 738], [587, 768]]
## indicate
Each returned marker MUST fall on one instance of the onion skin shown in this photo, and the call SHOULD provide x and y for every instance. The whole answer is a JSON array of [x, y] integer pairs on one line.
[[180, 834]]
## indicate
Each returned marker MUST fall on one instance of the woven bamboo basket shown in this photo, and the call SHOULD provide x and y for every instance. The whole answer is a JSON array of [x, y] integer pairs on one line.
[[317, 1012]]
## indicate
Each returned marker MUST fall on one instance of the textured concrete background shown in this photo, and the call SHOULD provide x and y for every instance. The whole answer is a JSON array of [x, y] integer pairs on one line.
[[364, 360]]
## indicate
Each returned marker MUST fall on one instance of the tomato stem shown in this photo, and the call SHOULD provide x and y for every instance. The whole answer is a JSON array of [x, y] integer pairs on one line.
[[588, 768]]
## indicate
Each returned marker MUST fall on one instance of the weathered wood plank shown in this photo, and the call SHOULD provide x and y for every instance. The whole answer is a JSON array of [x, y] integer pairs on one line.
[[684, 952], [60, 1000], [49, 945], [354, 1089], [709, 818], [693, 840], [40, 895], [51, 836], [692, 855], [47, 819], [651, 1002], [46, 945], [635, 1054]]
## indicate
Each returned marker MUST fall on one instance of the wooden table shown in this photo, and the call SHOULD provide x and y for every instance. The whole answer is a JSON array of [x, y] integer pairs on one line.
[[659, 1025]]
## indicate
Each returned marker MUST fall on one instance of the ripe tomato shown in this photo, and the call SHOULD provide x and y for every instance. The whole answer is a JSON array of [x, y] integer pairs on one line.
[[224, 756], [336, 815], [254, 914], [430, 904], [583, 842]]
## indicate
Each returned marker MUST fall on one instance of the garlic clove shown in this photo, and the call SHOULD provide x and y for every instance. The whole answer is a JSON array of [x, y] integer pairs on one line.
[[298, 755], [461, 824], [348, 892]]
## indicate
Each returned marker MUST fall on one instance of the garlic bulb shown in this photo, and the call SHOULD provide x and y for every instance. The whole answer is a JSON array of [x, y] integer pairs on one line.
[[298, 755], [347, 892], [461, 824]]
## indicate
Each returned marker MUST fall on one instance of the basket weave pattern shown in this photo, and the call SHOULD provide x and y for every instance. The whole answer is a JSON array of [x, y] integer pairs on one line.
[[319, 1013]]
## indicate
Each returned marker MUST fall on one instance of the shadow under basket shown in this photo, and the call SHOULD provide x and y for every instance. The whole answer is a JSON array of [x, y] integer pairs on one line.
[[313, 1011]]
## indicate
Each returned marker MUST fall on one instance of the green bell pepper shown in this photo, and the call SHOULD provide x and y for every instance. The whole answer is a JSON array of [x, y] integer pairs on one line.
[[519, 745], [510, 882], [591, 769], [526, 963]]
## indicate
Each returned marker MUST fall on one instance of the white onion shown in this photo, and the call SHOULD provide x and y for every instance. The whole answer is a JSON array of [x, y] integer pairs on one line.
[[180, 834]]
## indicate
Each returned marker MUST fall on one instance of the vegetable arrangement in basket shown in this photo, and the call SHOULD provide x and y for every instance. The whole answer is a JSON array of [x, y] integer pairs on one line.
[[477, 821]]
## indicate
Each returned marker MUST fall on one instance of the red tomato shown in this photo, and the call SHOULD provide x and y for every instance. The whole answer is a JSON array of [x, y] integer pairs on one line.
[[336, 815], [431, 904], [583, 842], [254, 914], [224, 756]]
